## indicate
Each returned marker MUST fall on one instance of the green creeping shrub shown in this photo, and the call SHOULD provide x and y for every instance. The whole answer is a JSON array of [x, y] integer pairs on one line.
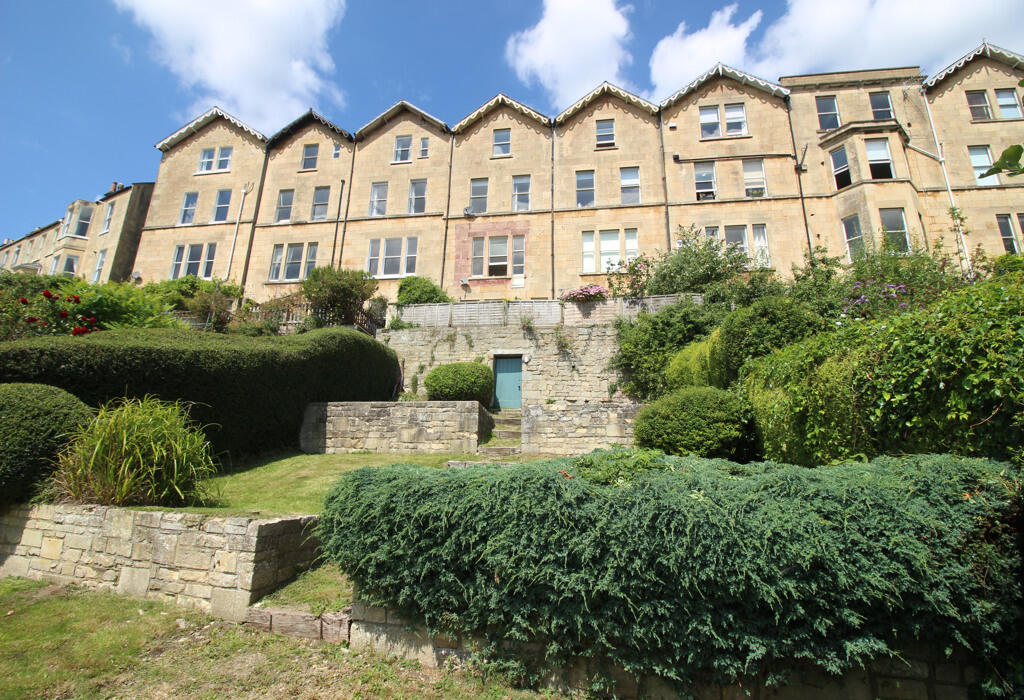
[[617, 466], [420, 290], [703, 571], [460, 381], [646, 344], [35, 423], [766, 325], [697, 420], [140, 452], [248, 393], [945, 378]]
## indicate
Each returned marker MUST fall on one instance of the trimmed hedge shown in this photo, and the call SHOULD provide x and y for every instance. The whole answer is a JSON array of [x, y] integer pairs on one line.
[[947, 378], [36, 421], [460, 381], [248, 393], [420, 290], [703, 570], [691, 366], [697, 420]]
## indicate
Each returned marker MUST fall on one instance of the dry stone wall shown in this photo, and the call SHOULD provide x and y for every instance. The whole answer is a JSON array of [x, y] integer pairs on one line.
[[567, 428], [218, 564], [386, 426]]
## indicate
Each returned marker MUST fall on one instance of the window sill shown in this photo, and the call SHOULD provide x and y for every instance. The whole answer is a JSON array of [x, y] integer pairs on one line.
[[400, 162], [294, 281], [610, 147], [727, 137], [393, 277], [505, 155], [994, 120], [481, 278], [212, 172], [306, 170]]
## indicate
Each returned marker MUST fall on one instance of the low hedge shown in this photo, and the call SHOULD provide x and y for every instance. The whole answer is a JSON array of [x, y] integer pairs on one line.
[[248, 393], [460, 381], [946, 378], [697, 420], [704, 570], [36, 422]]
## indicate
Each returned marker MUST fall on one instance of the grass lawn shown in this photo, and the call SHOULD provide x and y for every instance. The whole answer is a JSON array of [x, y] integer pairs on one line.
[[296, 483], [68, 642]]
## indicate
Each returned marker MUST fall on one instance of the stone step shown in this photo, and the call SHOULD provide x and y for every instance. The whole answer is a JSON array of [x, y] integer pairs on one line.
[[507, 424], [501, 433], [488, 450]]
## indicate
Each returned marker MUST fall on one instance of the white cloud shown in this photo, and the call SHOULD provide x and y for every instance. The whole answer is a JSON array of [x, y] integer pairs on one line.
[[575, 46], [823, 35], [680, 57], [264, 61]]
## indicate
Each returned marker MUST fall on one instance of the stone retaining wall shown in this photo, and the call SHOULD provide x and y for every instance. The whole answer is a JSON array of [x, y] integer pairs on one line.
[[218, 564], [920, 675], [387, 426], [567, 428]]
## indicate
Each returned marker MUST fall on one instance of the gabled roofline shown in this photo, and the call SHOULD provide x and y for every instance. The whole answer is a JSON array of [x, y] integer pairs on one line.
[[394, 109], [724, 71], [500, 100], [201, 121], [305, 118], [987, 50], [606, 88]]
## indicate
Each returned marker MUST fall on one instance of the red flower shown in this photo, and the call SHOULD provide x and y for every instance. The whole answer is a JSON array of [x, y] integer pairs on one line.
[[31, 319], [23, 300], [92, 319], [77, 299], [44, 323], [47, 294], [63, 314]]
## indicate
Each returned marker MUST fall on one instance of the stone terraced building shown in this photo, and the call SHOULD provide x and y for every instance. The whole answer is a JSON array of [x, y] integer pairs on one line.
[[510, 203]]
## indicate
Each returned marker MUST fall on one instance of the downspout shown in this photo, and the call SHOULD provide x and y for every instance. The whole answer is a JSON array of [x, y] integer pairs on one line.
[[664, 181], [551, 204], [945, 178], [447, 208], [799, 178], [337, 222], [344, 223], [238, 220], [255, 216]]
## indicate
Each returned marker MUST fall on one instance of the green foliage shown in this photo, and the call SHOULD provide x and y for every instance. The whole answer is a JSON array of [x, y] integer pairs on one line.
[[617, 466], [946, 378], [766, 325], [397, 324], [176, 293], [420, 290], [136, 452], [697, 263], [1007, 264], [645, 344], [264, 319], [211, 309], [691, 366], [630, 277], [703, 571], [460, 381], [1010, 160], [335, 296], [697, 420], [248, 393], [35, 421], [820, 283]]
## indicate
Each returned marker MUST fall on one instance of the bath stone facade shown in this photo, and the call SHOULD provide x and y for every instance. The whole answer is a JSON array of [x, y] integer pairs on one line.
[[384, 426], [217, 564], [569, 428]]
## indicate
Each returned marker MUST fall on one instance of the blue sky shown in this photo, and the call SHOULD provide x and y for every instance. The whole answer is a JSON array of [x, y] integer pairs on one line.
[[89, 87]]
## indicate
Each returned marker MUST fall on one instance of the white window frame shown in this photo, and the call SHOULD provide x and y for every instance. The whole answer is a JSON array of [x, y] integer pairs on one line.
[[321, 202], [501, 146], [381, 252], [84, 219], [276, 258], [188, 208], [742, 244], [224, 159], [337, 151], [754, 183], [1007, 99], [424, 147], [854, 236], [762, 256], [825, 115], [312, 250], [17, 254], [53, 264], [876, 159], [602, 251], [981, 161], [196, 255], [418, 196], [582, 189], [518, 255], [101, 258], [840, 169], [588, 259], [285, 203], [221, 209], [879, 113], [207, 156], [478, 189], [629, 185], [1006, 233], [736, 123], [403, 149], [304, 261], [609, 250], [310, 155], [604, 133], [701, 181], [378, 199], [983, 106], [70, 265], [107, 217], [520, 193], [3, 259], [710, 122], [888, 233], [291, 269]]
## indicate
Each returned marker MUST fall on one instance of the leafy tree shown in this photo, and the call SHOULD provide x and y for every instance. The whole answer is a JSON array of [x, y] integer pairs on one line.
[[697, 263], [420, 290], [335, 296]]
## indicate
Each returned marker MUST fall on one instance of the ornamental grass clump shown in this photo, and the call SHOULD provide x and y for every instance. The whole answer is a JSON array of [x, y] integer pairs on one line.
[[136, 452]]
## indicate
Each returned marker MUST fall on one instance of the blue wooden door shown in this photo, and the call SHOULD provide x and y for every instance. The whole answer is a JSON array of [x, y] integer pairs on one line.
[[508, 382]]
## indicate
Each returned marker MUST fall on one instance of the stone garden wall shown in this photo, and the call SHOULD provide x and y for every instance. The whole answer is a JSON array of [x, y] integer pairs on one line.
[[569, 428], [217, 564], [385, 426]]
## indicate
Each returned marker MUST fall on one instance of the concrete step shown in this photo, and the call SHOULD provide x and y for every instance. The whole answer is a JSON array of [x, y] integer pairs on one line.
[[515, 434], [507, 421], [488, 450]]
